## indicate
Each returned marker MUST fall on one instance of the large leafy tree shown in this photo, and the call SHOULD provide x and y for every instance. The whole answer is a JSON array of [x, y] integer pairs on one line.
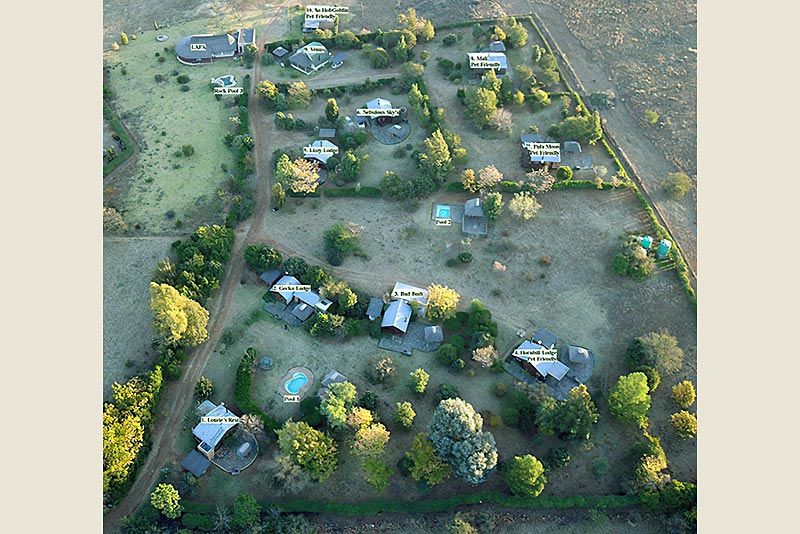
[[304, 177], [298, 95], [419, 380], [309, 448], [165, 498], [425, 465], [525, 476], [629, 398], [246, 511], [586, 129], [481, 105], [332, 110], [524, 206], [576, 414], [177, 319], [442, 302], [404, 414], [436, 161], [683, 394], [369, 441], [262, 258], [340, 398], [269, 93], [656, 349], [456, 432], [493, 206]]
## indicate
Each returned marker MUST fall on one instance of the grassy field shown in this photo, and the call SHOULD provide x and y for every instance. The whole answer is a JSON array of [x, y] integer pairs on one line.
[[128, 264]]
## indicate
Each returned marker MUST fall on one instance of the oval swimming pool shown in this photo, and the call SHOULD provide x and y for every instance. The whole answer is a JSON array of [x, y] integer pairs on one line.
[[294, 384]]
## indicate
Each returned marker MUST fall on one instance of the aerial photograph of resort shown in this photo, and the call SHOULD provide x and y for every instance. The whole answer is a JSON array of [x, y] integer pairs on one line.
[[399, 266]]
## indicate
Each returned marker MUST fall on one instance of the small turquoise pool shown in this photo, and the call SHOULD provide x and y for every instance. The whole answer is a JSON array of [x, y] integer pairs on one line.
[[297, 381], [225, 81], [442, 212]]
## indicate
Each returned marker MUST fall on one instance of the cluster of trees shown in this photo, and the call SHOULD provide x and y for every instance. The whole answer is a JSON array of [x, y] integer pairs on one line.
[[428, 115], [283, 96], [127, 423], [442, 302], [241, 143], [456, 434], [473, 333], [633, 260], [178, 320], [261, 258], [571, 419], [300, 176], [286, 121], [200, 262], [425, 465], [311, 449], [339, 241], [583, 128]]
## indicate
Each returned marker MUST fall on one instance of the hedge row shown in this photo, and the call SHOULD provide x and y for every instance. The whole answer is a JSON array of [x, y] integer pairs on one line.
[[116, 125], [434, 505], [364, 191], [291, 193], [244, 376], [450, 503], [514, 187]]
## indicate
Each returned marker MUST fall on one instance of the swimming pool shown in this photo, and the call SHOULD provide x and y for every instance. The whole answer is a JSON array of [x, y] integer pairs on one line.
[[297, 381], [442, 212], [225, 81]]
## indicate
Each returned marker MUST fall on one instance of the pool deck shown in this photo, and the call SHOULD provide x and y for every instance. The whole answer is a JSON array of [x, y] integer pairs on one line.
[[456, 212], [304, 389]]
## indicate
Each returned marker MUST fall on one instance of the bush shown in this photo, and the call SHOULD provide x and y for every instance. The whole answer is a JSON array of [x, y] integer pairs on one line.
[[677, 185], [650, 116], [450, 40], [564, 173], [653, 377], [447, 354], [499, 389], [683, 394], [182, 79], [684, 424], [446, 391], [187, 150], [557, 457], [184, 88], [465, 257]]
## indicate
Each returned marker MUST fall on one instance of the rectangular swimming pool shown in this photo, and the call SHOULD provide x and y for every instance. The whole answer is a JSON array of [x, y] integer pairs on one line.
[[442, 212]]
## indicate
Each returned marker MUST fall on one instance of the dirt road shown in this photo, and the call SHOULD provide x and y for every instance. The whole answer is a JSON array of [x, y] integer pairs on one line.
[[178, 396]]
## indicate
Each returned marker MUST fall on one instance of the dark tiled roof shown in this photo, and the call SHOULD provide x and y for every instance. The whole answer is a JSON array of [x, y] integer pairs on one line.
[[196, 463]]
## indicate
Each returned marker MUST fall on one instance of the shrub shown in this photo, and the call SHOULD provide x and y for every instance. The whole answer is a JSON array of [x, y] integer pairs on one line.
[[683, 394], [465, 257], [419, 380], [182, 79], [499, 389], [450, 40], [564, 173], [187, 150], [525, 476], [380, 370], [446, 391], [650, 116], [653, 377], [677, 185], [557, 457], [447, 354], [684, 424], [204, 388], [404, 414]]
